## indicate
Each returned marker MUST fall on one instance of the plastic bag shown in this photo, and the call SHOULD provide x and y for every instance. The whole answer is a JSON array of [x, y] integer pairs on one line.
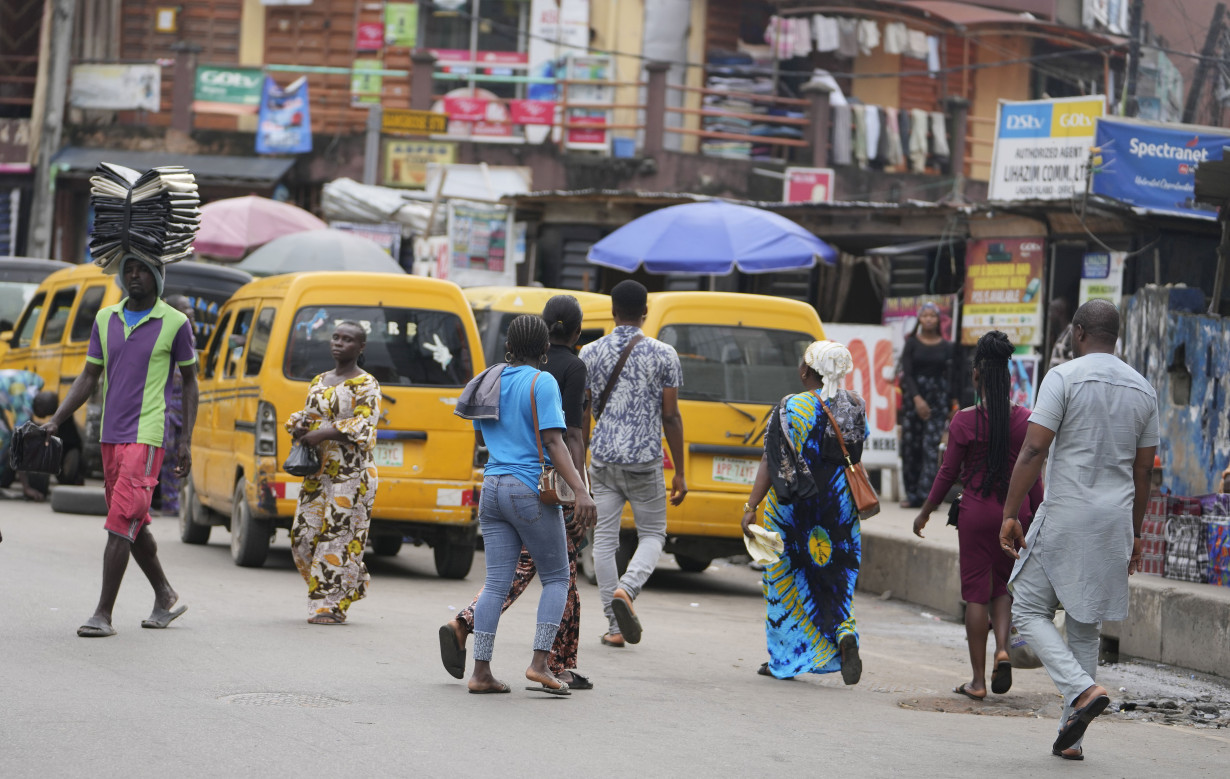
[[302, 461], [33, 451], [1020, 653]]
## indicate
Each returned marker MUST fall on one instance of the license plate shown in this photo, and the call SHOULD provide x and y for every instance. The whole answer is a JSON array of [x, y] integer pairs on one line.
[[389, 454], [734, 470]]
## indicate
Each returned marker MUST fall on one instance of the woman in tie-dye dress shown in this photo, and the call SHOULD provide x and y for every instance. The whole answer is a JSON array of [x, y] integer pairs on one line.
[[335, 505], [809, 591]]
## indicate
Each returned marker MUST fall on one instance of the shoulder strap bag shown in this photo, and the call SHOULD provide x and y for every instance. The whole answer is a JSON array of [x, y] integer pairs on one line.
[[610, 383], [865, 498], [552, 489]]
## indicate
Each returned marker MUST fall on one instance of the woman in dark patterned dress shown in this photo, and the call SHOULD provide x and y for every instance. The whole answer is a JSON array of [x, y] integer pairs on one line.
[[931, 390]]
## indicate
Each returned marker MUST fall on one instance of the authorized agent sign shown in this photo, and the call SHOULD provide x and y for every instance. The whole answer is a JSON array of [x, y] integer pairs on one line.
[[1042, 147]]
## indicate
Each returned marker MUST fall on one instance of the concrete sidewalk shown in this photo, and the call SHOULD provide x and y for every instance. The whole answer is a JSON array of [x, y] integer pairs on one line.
[[1171, 622]]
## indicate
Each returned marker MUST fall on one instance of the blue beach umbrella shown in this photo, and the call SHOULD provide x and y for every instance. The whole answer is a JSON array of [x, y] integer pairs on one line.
[[711, 238]]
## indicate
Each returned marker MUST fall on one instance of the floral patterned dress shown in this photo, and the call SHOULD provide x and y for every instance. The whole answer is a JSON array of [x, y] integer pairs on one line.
[[335, 506]]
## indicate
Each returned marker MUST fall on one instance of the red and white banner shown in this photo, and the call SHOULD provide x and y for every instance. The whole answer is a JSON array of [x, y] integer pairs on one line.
[[808, 185], [532, 111], [369, 36], [465, 109], [462, 57], [871, 346]]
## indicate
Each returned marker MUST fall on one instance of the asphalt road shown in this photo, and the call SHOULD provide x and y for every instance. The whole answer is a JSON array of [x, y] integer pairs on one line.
[[242, 686]]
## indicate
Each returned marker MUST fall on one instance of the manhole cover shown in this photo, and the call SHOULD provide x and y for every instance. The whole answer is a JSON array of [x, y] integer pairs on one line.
[[1024, 705], [283, 699]]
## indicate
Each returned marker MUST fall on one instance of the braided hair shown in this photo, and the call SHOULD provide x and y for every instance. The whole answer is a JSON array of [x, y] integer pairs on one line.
[[528, 339], [991, 358], [563, 317]]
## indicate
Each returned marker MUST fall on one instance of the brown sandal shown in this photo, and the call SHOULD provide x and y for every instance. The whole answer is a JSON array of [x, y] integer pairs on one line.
[[326, 619]]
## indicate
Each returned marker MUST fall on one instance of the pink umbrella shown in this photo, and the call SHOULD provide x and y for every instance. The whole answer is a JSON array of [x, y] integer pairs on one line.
[[233, 227]]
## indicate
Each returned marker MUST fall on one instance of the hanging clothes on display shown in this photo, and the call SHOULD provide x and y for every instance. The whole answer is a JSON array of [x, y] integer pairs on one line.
[[872, 119], [933, 54], [916, 45], [800, 37], [939, 136], [918, 140], [893, 155], [884, 146], [826, 32], [842, 133], [903, 120], [895, 35], [859, 112], [847, 38], [868, 36]]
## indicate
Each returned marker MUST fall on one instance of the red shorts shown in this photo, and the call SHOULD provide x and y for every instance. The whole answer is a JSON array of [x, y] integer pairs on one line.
[[130, 473]]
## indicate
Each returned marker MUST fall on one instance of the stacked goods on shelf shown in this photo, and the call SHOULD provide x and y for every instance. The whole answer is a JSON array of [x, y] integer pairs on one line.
[[1187, 550], [744, 79], [152, 215], [1215, 510], [1153, 537]]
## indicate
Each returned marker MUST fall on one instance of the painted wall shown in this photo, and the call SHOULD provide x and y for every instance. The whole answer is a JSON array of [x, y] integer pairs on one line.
[[1185, 355]]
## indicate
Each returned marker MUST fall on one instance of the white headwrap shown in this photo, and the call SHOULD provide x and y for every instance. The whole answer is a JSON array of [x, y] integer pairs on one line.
[[832, 362]]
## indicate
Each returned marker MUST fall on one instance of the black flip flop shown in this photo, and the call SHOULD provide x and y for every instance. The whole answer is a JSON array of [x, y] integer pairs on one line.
[[163, 620], [851, 663], [1001, 677], [963, 690], [1078, 756], [452, 656], [579, 681], [1076, 725], [493, 691], [608, 642], [629, 625], [561, 690]]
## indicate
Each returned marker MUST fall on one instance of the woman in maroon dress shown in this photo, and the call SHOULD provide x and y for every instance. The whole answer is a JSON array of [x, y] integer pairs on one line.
[[983, 442]]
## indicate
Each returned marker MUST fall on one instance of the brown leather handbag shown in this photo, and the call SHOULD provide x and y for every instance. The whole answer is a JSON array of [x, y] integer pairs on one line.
[[552, 489], [865, 498]]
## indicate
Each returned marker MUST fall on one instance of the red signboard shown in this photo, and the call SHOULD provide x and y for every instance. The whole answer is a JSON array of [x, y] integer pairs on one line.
[[462, 57], [465, 109], [369, 36], [585, 134], [532, 111], [809, 185]]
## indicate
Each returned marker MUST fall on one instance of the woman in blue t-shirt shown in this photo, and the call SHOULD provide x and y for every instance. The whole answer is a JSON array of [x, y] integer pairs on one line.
[[511, 514]]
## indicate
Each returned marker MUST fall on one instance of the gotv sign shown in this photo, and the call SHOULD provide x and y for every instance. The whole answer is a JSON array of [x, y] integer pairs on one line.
[[1042, 147]]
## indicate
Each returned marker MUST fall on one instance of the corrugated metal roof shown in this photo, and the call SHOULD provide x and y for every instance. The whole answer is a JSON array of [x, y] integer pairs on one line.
[[80, 162]]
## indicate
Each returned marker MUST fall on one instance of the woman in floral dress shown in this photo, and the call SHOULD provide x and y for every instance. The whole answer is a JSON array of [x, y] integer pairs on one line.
[[335, 506]]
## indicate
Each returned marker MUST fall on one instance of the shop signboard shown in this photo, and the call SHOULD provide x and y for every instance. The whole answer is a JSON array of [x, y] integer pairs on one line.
[[405, 162], [808, 185], [1102, 277], [1003, 289], [405, 121], [1153, 166], [366, 86], [285, 125], [401, 24], [369, 36], [535, 112], [871, 347], [479, 244], [116, 87], [557, 28], [14, 145], [1042, 147], [589, 101], [222, 90]]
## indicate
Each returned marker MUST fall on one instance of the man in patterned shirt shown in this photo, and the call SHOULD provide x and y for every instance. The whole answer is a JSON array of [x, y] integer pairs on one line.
[[134, 347], [626, 453]]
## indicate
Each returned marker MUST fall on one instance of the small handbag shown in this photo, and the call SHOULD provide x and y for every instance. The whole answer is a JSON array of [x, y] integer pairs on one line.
[[954, 510], [865, 498], [302, 461], [552, 489], [33, 451]]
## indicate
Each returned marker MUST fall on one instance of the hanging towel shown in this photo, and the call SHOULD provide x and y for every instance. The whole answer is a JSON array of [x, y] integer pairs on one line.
[[933, 54], [893, 155], [825, 30], [872, 119], [800, 37], [847, 37], [859, 112], [868, 36], [895, 34], [842, 133], [939, 135], [918, 140], [916, 45]]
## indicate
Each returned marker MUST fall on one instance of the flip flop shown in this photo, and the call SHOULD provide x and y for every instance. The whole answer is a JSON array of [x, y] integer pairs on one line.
[[579, 681], [1001, 677], [1076, 725], [963, 690], [492, 690], [625, 617], [763, 670], [163, 620], [851, 663], [561, 690], [608, 642], [451, 655], [326, 619], [91, 631], [1080, 754]]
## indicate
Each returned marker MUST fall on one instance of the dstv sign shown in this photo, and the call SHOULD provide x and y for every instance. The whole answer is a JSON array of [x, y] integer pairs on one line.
[[1041, 147]]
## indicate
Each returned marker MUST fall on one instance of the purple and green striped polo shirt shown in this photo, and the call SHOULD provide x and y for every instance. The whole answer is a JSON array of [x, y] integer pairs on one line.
[[137, 368]]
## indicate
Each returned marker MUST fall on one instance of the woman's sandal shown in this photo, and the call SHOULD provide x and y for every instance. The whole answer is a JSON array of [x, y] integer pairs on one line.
[[963, 689], [1001, 677], [1079, 754], [326, 619]]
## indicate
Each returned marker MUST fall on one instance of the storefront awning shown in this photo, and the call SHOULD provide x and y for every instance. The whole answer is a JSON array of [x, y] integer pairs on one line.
[[209, 169]]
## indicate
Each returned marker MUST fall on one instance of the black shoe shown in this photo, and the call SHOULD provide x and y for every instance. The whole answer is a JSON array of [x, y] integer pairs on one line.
[[851, 663]]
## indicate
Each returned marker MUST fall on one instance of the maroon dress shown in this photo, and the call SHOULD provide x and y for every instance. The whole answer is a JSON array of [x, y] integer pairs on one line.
[[984, 566]]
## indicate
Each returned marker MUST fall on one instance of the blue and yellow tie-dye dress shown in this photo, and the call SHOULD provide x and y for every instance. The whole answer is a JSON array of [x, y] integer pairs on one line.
[[810, 589]]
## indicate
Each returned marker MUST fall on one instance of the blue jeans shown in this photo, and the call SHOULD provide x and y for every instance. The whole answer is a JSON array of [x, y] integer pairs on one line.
[[512, 516]]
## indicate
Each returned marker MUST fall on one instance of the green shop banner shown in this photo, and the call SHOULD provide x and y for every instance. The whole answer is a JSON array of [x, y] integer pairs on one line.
[[227, 90], [401, 24]]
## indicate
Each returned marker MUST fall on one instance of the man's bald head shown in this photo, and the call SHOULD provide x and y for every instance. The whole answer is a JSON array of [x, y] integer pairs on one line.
[[1098, 323]]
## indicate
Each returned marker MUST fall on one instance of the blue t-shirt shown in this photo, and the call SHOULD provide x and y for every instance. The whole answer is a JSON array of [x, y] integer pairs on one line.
[[510, 440], [132, 317]]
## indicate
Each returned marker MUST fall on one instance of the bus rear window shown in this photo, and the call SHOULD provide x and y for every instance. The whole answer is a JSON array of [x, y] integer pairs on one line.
[[737, 364]]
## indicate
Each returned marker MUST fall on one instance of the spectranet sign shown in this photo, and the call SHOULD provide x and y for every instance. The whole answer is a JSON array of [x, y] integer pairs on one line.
[[1042, 147], [403, 121]]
